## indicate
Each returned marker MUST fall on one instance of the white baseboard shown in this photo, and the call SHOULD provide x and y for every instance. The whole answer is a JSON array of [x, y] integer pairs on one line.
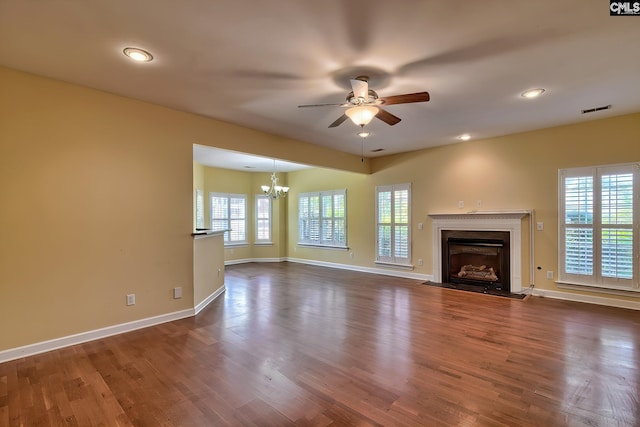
[[247, 260], [384, 271], [374, 270], [54, 344], [208, 300], [589, 299]]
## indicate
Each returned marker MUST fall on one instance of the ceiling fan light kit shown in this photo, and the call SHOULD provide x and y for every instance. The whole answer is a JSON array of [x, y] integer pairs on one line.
[[362, 115], [364, 104]]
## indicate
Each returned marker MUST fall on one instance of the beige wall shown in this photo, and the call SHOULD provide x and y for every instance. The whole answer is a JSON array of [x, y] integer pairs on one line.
[[96, 198]]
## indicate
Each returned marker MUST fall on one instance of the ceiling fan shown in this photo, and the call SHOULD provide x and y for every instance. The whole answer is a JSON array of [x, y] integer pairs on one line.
[[364, 104]]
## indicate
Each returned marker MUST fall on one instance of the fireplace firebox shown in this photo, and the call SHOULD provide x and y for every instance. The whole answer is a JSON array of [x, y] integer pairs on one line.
[[478, 258]]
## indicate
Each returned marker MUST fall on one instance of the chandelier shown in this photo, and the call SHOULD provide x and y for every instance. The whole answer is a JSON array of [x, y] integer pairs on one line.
[[274, 191]]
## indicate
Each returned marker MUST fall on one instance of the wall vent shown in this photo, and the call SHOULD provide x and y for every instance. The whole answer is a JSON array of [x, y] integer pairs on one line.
[[593, 110], [377, 150]]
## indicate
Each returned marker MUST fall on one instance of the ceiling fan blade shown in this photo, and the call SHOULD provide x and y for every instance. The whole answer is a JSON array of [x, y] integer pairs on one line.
[[323, 105], [339, 121], [405, 99], [387, 117], [360, 88]]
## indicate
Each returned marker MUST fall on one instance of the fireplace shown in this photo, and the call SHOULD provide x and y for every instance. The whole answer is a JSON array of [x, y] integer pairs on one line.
[[509, 250], [478, 258]]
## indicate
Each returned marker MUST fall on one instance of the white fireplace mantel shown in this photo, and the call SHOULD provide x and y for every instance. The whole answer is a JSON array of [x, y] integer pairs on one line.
[[510, 221]]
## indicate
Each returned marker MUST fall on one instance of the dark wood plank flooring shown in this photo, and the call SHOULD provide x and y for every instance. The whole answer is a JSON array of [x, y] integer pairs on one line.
[[298, 345]]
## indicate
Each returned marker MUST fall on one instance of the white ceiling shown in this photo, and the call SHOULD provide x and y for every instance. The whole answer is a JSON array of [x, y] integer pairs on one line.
[[228, 159], [253, 62]]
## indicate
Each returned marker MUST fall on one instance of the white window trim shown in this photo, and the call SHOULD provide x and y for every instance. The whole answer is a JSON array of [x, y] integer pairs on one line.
[[227, 234], [334, 244], [393, 260], [596, 282], [269, 241], [199, 209]]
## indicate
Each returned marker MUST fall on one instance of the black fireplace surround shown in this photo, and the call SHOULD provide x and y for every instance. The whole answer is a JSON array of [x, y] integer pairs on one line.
[[477, 258]]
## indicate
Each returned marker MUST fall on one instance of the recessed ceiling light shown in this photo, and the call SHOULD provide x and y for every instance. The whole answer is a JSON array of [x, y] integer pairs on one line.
[[363, 134], [532, 93], [138, 55], [465, 137]]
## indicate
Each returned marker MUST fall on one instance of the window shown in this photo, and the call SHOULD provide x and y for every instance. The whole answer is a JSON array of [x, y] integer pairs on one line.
[[229, 212], [597, 235], [322, 218], [199, 209], [393, 226], [263, 219]]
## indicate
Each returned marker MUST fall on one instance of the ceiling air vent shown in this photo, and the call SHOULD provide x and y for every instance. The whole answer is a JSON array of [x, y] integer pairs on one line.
[[377, 150], [593, 110]]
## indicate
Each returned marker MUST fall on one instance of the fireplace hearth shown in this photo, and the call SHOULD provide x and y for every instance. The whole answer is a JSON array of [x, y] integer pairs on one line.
[[478, 258]]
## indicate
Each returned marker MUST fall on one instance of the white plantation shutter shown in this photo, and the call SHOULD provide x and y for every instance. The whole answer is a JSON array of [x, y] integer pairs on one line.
[[199, 209], [229, 212], [322, 218], [616, 252], [393, 226], [219, 213], [598, 243], [263, 219], [579, 224]]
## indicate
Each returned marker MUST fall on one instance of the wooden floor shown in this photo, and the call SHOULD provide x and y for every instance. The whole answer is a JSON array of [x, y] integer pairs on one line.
[[291, 344]]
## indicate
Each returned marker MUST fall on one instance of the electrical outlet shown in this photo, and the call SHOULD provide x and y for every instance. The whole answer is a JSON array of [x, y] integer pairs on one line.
[[351, 254], [177, 292], [460, 204], [131, 299], [479, 203], [219, 271], [420, 226], [550, 275], [419, 261], [540, 226]]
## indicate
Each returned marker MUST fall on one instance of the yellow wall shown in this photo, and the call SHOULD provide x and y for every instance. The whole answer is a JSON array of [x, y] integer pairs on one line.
[[208, 267], [96, 196], [360, 219], [510, 172], [248, 183]]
